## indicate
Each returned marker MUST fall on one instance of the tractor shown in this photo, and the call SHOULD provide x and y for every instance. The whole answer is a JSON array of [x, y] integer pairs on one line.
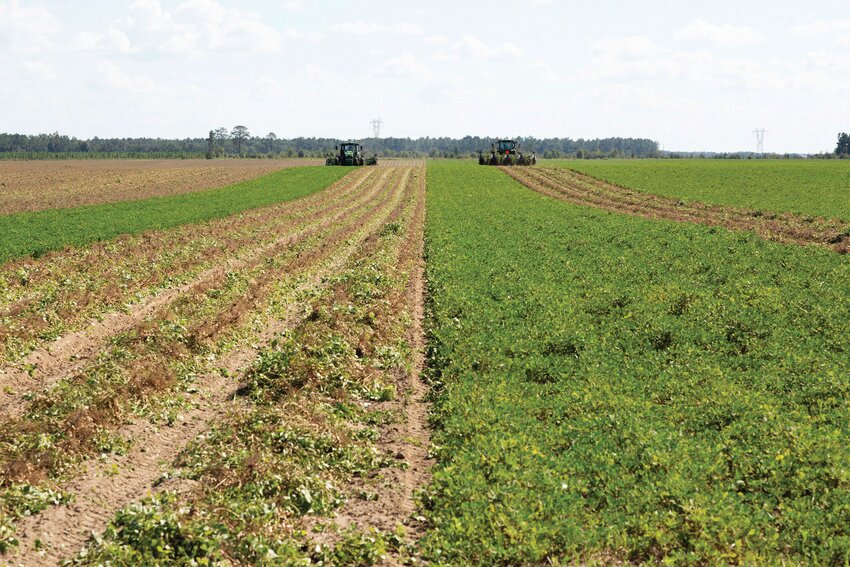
[[506, 152], [350, 153]]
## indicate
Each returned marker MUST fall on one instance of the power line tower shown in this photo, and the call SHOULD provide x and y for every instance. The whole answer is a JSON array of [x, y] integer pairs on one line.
[[759, 132], [376, 130]]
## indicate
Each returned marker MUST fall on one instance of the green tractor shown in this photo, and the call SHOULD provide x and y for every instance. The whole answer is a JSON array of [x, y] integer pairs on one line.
[[350, 153], [506, 152]]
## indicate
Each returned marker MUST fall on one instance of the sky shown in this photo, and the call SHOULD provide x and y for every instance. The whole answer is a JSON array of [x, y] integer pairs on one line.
[[692, 75]]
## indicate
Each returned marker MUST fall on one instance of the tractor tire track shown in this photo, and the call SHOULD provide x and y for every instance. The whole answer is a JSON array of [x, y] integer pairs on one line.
[[100, 492], [580, 189]]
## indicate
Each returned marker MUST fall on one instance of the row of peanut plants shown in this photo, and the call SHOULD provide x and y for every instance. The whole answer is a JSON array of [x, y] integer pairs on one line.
[[312, 410], [609, 388], [150, 371]]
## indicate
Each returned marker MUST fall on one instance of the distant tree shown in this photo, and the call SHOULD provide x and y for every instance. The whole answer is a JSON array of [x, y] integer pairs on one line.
[[222, 135], [843, 147], [240, 134], [210, 145], [271, 138]]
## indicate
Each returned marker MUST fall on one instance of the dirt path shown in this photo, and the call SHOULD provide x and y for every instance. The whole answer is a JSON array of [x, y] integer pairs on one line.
[[108, 485], [581, 189], [66, 355]]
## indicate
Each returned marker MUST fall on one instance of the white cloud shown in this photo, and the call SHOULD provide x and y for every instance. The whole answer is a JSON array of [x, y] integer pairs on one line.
[[479, 50], [201, 25], [639, 59], [630, 47], [113, 40], [823, 27], [436, 40], [722, 35], [370, 28], [404, 65], [119, 80], [547, 71], [40, 70], [29, 29], [311, 36], [293, 5]]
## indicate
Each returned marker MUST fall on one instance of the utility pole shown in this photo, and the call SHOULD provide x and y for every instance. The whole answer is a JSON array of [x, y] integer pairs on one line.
[[759, 132], [376, 130]]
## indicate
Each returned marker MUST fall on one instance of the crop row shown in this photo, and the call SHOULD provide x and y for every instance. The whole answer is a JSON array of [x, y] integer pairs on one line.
[[616, 389], [315, 405], [156, 369], [41, 299]]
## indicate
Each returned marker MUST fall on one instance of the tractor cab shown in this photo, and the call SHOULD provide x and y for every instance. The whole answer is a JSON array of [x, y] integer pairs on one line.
[[506, 146], [349, 149]]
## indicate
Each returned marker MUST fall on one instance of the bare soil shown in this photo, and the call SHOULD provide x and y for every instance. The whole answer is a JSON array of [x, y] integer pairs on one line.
[[40, 185], [581, 189]]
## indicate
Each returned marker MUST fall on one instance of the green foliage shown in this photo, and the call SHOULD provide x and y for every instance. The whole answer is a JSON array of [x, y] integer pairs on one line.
[[35, 233], [613, 388], [809, 187], [18, 500]]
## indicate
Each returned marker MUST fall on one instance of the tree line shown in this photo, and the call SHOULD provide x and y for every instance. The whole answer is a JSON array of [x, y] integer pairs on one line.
[[239, 142], [843, 147]]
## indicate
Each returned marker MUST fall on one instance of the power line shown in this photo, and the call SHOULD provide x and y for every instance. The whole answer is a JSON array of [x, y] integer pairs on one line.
[[376, 127], [759, 132]]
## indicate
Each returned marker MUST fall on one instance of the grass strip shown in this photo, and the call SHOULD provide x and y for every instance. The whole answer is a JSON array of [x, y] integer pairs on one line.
[[610, 388], [34, 234]]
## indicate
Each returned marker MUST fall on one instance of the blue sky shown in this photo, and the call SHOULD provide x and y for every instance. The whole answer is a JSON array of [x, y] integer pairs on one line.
[[692, 75]]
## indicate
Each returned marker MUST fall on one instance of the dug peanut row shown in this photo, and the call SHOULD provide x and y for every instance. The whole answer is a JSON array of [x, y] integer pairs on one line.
[[165, 353]]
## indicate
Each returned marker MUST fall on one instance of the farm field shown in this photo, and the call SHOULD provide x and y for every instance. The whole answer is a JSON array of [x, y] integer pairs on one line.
[[36, 233], [616, 389], [232, 376], [40, 185], [253, 374], [808, 187]]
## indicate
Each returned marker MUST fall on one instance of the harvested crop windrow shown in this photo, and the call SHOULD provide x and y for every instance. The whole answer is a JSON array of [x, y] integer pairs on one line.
[[581, 189], [153, 353], [44, 298], [329, 410], [61, 530], [46, 366]]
